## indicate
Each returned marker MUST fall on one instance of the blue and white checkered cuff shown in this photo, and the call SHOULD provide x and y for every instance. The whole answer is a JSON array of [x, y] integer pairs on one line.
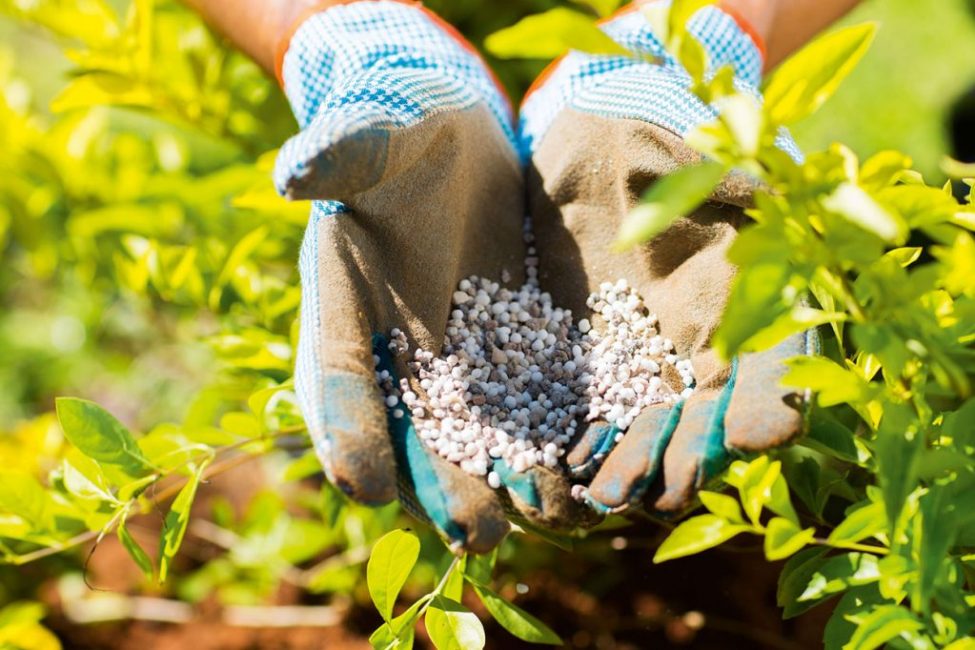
[[346, 42], [723, 38]]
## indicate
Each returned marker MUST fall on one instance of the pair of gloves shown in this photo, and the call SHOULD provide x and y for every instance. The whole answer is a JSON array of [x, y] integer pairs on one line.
[[419, 178]]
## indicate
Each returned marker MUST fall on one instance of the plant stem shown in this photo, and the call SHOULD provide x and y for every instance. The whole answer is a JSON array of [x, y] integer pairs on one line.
[[851, 546], [446, 575]]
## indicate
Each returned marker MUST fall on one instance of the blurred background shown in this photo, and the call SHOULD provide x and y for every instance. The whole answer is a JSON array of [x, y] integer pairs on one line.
[[146, 264]]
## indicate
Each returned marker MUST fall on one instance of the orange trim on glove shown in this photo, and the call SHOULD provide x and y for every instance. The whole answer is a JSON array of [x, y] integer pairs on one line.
[[746, 27]]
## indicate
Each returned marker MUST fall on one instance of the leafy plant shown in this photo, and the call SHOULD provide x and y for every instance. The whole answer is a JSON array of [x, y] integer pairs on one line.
[[449, 624], [885, 261]]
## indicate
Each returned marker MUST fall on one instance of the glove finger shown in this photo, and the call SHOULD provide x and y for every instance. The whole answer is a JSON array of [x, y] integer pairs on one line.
[[635, 462], [335, 381], [379, 125], [460, 506], [543, 497], [590, 449], [763, 414], [696, 452]]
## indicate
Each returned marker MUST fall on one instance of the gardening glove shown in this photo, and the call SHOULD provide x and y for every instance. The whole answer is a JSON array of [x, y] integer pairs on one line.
[[407, 148], [599, 130]]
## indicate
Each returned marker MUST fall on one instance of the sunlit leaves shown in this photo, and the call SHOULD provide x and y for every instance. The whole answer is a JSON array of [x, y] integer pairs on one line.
[[101, 437], [832, 383], [175, 523], [854, 204], [551, 34], [137, 553], [784, 538], [806, 80], [883, 624], [21, 494], [864, 522], [695, 535], [452, 626], [21, 629], [670, 198], [392, 559], [516, 620]]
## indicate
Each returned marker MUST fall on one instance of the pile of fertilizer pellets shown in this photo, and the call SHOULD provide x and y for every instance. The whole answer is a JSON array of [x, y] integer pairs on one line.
[[516, 376]]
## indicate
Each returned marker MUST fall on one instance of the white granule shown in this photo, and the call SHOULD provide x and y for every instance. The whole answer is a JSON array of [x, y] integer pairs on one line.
[[516, 375]]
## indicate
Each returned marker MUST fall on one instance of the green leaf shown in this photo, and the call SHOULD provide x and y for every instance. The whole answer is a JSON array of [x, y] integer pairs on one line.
[[303, 467], [334, 503], [102, 88], [174, 526], [84, 479], [801, 85], [957, 169], [854, 604], [399, 632], [833, 383], [883, 624], [722, 505], [516, 620], [453, 586], [479, 568], [695, 535], [968, 643], [551, 34], [857, 206], [742, 114], [452, 626], [934, 539], [390, 563], [829, 436], [779, 500], [883, 169], [138, 554], [757, 484], [860, 524], [793, 322], [21, 613], [795, 575], [839, 573], [669, 21], [898, 450], [670, 198], [784, 538], [21, 494], [98, 435]]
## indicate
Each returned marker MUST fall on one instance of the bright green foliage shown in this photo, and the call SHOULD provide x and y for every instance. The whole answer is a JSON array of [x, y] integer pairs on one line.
[[892, 413], [670, 198], [20, 628], [390, 563], [450, 625], [551, 34]]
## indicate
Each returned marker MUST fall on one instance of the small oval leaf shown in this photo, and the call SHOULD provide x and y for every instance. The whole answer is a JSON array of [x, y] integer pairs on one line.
[[695, 535], [390, 563]]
